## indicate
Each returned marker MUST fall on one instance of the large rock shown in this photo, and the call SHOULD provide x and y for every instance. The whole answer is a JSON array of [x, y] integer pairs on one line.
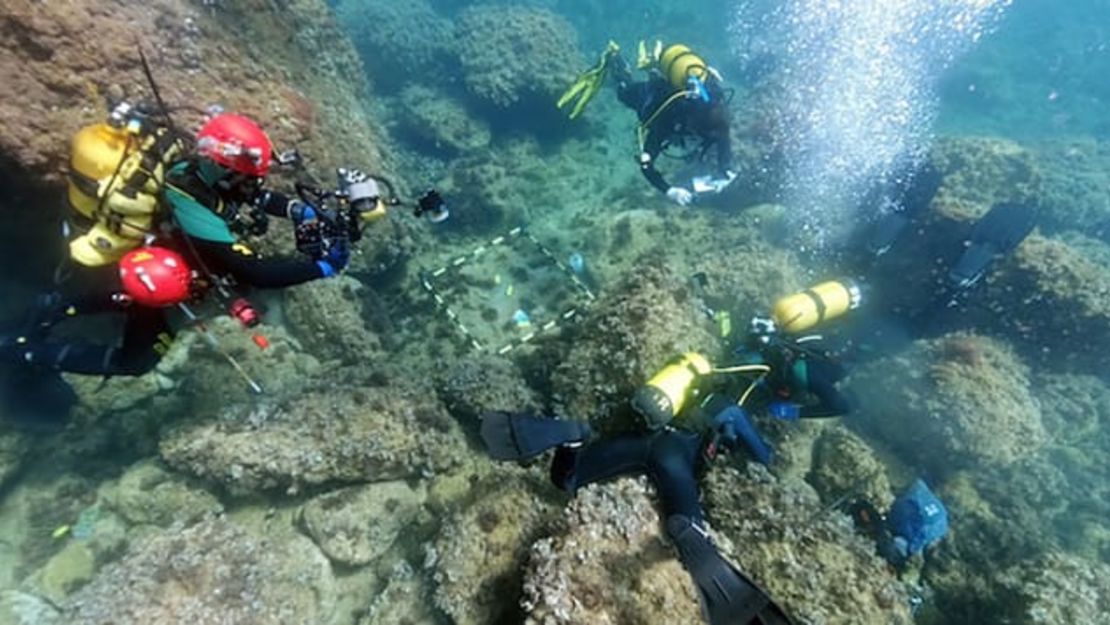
[[477, 384], [1058, 589], [511, 54], [329, 319], [213, 386], [958, 401], [356, 525], [334, 435], [844, 465], [1076, 183], [434, 120], [810, 560], [1053, 301], [478, 557], [261, 60], [632, 331], [399, 40], [14, 448], [405, 600], [608, 563], [213, 572], [148, 494]]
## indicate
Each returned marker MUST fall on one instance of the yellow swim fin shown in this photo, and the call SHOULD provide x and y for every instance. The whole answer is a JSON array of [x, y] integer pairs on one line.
[[588, 83]]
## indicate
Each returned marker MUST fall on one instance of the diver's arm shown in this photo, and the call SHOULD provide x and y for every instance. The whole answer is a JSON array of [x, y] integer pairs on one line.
[[822, 385], [647, 168], [250, 270], [724, 154], [274, 203]]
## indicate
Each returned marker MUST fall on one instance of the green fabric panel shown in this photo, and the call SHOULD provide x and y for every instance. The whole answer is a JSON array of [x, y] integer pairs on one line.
[[197, 220], [799, 382]]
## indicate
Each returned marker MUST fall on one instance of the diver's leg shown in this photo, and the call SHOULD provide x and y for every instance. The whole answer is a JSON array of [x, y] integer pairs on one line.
[[574, 467], [822, 377], [136, 356], [634, 95], [675, 457], [50, 308], [620, 70]]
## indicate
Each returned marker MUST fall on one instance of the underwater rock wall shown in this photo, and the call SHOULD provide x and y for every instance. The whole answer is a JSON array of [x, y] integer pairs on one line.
[[630, 333], [286, 65], [961, 401], [836, 578]]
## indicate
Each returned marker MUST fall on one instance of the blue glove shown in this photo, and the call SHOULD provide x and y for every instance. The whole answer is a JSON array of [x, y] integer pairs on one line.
[[335, 258], [300, 212], [787, 411], [734, 425]]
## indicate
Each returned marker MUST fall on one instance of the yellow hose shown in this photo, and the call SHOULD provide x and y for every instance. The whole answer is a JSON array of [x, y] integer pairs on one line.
[[762, 370]]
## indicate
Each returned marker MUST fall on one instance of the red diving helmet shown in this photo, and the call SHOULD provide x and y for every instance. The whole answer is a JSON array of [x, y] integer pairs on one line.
[[156, 277]]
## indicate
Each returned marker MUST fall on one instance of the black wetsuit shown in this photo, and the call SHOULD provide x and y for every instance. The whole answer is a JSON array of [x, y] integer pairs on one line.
[[684, 119], [803, 374], [672, 460], [147, 333]]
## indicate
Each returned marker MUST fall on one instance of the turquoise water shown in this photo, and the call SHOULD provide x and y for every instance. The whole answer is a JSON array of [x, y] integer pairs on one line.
[[356, 488]]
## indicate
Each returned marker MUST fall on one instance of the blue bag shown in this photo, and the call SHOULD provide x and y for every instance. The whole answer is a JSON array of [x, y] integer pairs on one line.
[[918, 519]]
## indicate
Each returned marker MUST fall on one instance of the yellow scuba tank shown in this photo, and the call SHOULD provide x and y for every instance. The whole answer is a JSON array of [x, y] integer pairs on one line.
[[824, 302], [667, 392], [98, 149], [678, 63], [117, 172]]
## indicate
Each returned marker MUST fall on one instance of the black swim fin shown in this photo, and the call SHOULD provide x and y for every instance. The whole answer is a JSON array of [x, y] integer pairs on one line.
[[728, 597], [913, 197], [510, 436], [1001, 230]]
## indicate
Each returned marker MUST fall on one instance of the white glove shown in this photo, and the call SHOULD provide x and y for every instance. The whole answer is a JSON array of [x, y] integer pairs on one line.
[[680, 196]]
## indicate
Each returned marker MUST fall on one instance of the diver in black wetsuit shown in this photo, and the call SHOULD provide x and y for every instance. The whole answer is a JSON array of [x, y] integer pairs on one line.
[[681, 104], [694, 110], [205, 195], [673, 459]]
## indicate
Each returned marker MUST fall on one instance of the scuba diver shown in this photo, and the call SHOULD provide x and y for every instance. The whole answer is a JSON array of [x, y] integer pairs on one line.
[[897, 315], [690, 410], [682, 104], [803, 371], [134, 185], [672, 458]]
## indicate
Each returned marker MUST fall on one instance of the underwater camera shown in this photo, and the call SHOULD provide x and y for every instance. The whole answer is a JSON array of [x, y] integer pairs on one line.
[[432, 206]]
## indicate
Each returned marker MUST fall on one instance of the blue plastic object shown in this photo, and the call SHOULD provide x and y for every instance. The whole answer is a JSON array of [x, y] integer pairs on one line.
[[734, 424], [577, 263], [338, 254], [918, 519], [302, 212], [787, 411]]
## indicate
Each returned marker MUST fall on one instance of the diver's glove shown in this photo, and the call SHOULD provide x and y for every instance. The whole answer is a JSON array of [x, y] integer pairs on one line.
[[787, 411], [709, 184], [335, 259], [680, 195], [735, 427], [301, 212]]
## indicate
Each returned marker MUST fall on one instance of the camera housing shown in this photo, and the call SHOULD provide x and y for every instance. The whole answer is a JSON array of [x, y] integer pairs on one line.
[[432, 206]]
